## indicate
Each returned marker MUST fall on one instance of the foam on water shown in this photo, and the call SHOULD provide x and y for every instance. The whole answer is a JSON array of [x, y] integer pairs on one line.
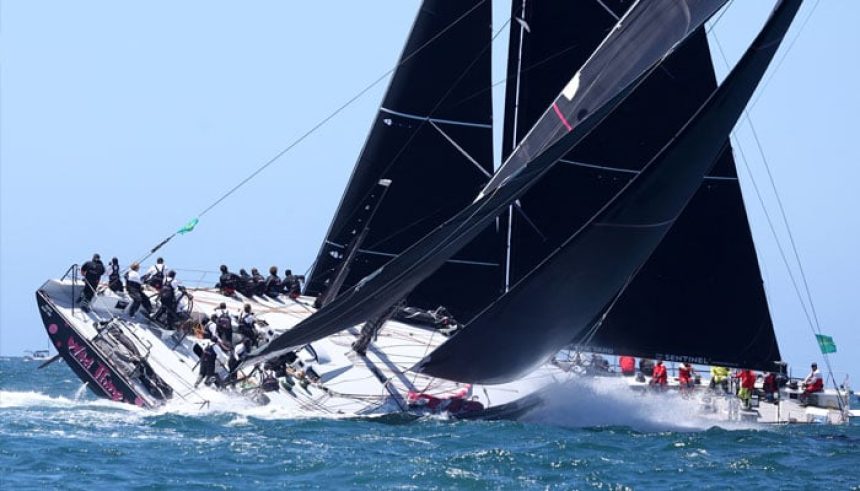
[[607, 401], [50, 440]]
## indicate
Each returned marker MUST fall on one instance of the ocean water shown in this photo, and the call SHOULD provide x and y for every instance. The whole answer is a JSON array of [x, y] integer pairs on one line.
[[54, 434]]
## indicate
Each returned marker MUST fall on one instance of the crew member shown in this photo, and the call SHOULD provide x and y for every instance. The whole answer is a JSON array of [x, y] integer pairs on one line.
[[770, 387], [259, 282], [154, 276], [747, 378], [92, 271], [167, 297], [292, 284], [811, 384], [660, 377], [134, 286], [719, 376], [273, 283], [646, 367], [207, 366], [628, 365], [685, 376], [227, 282], [239, 352], [114, 281], [247, 322], [224, 325], [246, 284]]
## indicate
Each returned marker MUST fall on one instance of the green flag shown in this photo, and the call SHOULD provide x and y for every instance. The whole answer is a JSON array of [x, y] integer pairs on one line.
[[188, 227], [825, 343]]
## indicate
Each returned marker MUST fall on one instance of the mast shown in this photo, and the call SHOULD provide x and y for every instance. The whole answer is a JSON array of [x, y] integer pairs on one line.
[[518, 31]]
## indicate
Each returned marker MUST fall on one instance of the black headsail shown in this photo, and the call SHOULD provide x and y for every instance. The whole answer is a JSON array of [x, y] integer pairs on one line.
[[704, 277], [432, 138], [571, 290], [644, 37]]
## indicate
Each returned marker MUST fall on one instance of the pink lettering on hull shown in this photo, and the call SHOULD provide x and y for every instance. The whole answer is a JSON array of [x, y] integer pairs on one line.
[[101, 375]]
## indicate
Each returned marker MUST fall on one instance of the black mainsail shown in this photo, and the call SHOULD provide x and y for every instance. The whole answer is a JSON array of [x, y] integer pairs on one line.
[[432, 138], [571, 290], [649, 32], [704, 277]]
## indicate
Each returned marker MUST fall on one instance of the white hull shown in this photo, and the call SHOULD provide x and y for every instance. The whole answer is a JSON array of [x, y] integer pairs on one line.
[[350, 384], [378, 383]]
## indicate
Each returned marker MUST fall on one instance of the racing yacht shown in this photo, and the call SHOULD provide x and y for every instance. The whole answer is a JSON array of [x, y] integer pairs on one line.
[[425, 220]]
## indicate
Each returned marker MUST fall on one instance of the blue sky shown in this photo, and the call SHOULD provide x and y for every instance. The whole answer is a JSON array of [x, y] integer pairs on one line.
[[121, 121]]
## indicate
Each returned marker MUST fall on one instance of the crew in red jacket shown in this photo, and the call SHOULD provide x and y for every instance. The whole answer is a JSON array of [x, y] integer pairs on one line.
[[685, 376], [659, 378], [628, 365], [747, 378], [811, 384]]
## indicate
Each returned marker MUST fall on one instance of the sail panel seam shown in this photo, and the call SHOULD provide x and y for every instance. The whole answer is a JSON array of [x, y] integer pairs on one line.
[[458, 261], [435, 120], [632, 171], [636, 225]]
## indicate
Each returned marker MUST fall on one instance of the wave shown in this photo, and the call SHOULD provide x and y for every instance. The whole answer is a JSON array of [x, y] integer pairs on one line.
[[32, 399], [580, 403], [607, 401]]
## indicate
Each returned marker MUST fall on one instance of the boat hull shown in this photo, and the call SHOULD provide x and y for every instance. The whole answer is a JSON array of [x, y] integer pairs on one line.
[[84, 359]]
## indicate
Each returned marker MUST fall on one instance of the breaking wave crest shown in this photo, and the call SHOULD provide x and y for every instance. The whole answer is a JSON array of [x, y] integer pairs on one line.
[[609, 401]]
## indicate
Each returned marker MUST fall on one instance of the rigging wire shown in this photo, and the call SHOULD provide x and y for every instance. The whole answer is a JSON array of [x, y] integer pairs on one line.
[[338, 110], [320, 124], [812, 319], [785, 54]]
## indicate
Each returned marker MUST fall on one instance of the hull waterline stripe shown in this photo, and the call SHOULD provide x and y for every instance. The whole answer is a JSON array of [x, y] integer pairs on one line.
[[435, 120]]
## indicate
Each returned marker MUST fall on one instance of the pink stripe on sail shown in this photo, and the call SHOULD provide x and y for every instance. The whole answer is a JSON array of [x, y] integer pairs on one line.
[[561, 117]]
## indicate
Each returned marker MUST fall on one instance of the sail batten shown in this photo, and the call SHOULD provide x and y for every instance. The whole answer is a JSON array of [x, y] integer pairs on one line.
[[571, 290], [432, 137]]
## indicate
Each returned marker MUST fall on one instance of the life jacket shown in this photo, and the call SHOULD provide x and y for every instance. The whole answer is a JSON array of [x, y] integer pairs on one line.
[[114, 282], [167, 294], [93, 270], [229, 282], [207, 361], [155, 279], [769, 384], [224, 327], [718, 374], [660, 374], [246, 327], [747, 379], [273, 286], [685, 374]]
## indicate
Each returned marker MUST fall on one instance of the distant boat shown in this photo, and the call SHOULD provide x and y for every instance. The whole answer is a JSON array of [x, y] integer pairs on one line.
[[38, 355]]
